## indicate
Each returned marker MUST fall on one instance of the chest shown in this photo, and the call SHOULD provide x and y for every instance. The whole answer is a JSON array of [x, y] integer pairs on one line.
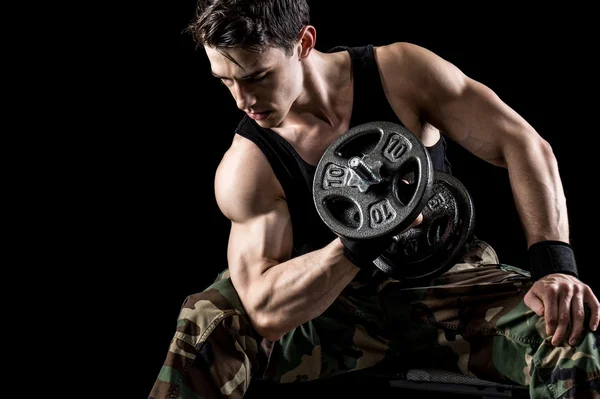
[[311, 143]]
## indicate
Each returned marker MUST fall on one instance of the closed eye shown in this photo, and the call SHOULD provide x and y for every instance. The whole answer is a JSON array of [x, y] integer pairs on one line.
[[248, 79], [256, 78]]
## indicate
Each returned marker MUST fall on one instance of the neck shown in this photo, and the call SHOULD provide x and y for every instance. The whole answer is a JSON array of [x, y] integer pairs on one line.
[[322, 85]]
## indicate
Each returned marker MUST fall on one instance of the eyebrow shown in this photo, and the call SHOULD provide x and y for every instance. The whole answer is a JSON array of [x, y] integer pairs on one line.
[[250, 75]]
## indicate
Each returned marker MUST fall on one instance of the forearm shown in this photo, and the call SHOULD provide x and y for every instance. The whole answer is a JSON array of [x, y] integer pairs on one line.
[[300, 289], [538, 191]]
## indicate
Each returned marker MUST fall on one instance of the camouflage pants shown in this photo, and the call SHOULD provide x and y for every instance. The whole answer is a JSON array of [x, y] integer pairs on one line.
[[472, 319]]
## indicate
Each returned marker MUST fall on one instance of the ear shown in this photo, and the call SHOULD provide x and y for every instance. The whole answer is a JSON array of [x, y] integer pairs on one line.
[[306, 41]]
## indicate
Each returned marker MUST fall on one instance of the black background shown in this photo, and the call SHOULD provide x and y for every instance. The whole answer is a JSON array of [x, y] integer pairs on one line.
[[178, 121]]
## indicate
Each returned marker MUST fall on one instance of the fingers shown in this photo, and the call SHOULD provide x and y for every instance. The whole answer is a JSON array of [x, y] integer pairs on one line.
[[551, 309], [417, 221], [534, 303], [594, 306], [577, 318], [581, 297], [564, 310]]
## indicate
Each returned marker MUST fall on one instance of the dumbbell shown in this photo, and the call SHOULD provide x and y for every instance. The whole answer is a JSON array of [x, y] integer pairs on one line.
[[374, 181]]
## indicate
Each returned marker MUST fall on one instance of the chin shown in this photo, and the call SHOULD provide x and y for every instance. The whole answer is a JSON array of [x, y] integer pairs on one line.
[[274, 120]]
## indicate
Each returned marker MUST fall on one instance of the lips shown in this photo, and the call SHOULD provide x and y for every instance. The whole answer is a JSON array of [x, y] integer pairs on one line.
[[259, 115]]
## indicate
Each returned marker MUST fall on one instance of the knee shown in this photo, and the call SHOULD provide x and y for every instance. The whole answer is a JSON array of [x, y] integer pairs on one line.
[[201, 312]]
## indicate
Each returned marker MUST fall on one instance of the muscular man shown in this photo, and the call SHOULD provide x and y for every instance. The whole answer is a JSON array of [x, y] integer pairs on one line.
[[297, 302]]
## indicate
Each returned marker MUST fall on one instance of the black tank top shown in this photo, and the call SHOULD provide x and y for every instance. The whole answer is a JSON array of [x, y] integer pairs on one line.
[[296, 175]]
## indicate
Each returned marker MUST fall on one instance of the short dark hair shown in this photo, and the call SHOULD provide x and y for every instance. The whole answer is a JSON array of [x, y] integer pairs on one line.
[[249, 24]]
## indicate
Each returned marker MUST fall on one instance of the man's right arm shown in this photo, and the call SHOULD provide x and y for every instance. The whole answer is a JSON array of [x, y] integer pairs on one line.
[[278, 293]]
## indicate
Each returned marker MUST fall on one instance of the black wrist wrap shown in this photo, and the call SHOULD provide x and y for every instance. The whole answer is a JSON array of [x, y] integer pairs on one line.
[[547, 257], [363, 262]]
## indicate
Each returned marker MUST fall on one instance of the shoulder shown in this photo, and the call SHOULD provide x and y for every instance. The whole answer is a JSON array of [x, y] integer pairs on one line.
[[410, 57], [411, 68], [403, 53], [245, 185]]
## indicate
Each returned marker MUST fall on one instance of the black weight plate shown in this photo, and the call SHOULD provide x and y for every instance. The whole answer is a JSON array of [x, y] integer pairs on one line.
[[433, 247], [374, 202]]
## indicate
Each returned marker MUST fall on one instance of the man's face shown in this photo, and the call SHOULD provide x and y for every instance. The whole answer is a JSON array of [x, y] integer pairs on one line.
[[264, 85]]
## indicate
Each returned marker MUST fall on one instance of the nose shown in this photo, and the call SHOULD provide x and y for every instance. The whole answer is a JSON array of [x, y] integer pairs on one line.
[[244, 98]]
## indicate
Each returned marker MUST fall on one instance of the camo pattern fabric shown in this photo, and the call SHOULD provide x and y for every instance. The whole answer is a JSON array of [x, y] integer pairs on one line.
[[471, 319]]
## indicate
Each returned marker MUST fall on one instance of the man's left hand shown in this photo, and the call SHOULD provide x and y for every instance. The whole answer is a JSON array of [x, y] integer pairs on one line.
[[561, 299]]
